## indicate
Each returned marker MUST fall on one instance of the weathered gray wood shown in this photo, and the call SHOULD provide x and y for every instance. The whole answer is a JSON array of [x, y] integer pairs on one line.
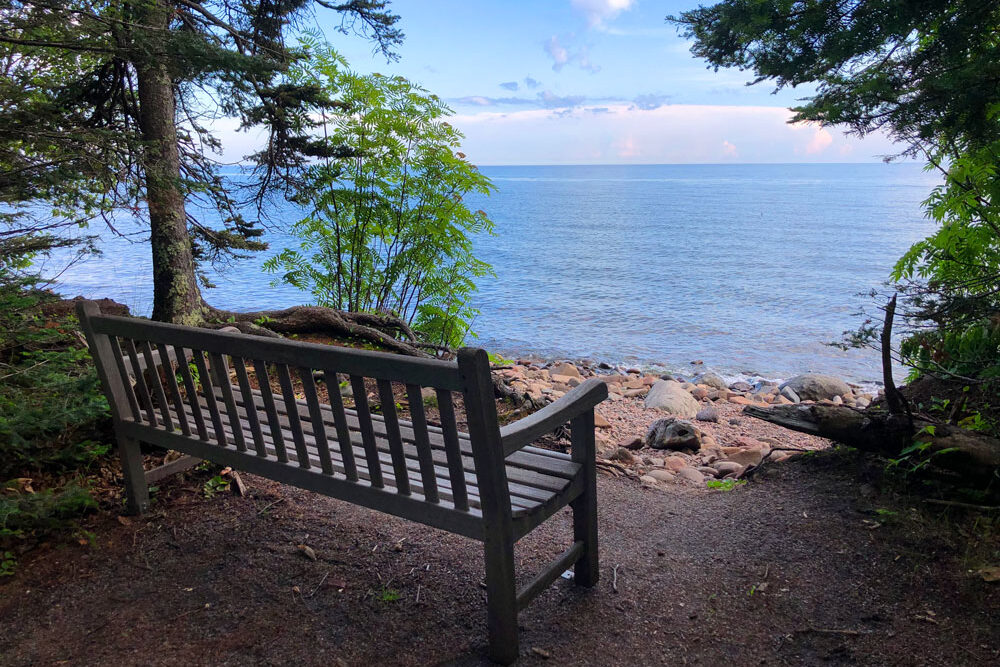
[[136, 489], [142, 391], [210, 402], [124, 377], [264, 382], [359, 493], [174, 467], [585, 506], [316, 419], [246, 394], [489, 484], [174, 390], [340, 424], [192, 392], [425, 372], [557, 413], [388, 403], [295, 422], [449, 432], [221, 380], [367, 434], [498, 534], [531, 590], [422, 441]]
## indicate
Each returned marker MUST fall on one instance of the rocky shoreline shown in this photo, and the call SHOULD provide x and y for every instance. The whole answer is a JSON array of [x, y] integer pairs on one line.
[[666, 430]]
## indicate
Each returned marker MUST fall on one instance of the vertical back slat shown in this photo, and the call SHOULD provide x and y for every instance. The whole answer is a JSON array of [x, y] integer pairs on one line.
[[340, 421], [455, 468], [246, 392], [153, 372], [264, 382], [422, 441], [294, 423], [192, 392], [388, 402], [316, 417], [133, 404], [140, 382], [367, 432], [174, 390], [221, 376], [213, 406]]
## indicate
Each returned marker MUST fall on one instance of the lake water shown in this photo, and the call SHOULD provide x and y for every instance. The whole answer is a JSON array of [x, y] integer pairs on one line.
[[748, 268]]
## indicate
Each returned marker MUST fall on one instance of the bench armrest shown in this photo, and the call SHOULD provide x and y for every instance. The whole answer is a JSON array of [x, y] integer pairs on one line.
[[576, 401]]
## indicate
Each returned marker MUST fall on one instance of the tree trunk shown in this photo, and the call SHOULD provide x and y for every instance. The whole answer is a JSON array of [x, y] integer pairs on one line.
[[176, 297], [974, 455]]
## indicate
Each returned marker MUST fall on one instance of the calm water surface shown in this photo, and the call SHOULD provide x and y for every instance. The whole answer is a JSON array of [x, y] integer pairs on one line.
[[749, 268]]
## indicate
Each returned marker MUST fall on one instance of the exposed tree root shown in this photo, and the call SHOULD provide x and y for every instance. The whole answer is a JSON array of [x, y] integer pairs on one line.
[[376, 329], [972, 454]]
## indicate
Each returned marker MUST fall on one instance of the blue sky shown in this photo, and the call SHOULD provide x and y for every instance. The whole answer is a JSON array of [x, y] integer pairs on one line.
[[592, 82]]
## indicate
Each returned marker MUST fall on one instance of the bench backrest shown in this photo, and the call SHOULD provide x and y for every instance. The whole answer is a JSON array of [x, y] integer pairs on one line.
[[223, 395]]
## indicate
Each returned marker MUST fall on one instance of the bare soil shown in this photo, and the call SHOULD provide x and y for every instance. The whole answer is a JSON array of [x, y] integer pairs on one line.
[[804, 565]]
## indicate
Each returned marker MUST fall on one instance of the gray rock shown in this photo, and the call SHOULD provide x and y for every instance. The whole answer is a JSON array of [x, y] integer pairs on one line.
[[691, 475], [790, 394], [672, 398], [566, 369], [675, 434], [708, 414], [816, 387], [707, 471], [724, 468], [740, 386], [712, 380], [661, 475]]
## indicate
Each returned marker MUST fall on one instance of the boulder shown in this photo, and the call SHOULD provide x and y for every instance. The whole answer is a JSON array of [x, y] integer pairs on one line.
[[675, 434], [816, 387], [565, 369], [691, 475], [708, 414], [670, 397], [712, 380]]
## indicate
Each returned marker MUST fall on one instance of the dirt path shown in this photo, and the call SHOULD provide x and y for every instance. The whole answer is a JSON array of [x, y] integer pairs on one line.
[[798, 567]]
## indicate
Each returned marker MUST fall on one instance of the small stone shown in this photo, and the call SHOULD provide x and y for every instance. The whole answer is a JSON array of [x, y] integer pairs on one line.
[[646, 479], [711, 380], [600, 421], [740, 386], [634, 442], [735, 421], [746, 457], [634, 371], [700, 393], [675, 463], [707, 471], [837, 400], [661, 475], [740, 400], [623, 455], [727, 468], [691, 475], [708, 414]]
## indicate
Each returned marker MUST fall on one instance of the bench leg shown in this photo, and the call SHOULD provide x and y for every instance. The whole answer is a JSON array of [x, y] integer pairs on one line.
[[586, 572], [136, 489], [501, 600]]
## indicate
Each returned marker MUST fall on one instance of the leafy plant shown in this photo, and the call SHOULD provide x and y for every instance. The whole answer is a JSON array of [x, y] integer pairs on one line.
[[724, 484], [215, 485], [8, 564], [387, 595], [387, 230]]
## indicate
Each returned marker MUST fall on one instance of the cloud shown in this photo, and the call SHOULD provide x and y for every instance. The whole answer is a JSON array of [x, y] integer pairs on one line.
[[551, 100], [562, 56], [531, 83], [598, 12], [820, 141], [623, 133], [510, 85], [649, 102], [558, 53]]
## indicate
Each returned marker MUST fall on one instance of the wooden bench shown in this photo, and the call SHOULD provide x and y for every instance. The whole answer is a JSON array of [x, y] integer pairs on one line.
[[489, 484]]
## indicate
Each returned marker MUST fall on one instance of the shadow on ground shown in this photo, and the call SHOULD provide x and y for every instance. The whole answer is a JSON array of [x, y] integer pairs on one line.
[[804, 566]]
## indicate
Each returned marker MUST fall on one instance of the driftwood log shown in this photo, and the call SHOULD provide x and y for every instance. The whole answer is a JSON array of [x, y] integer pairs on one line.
[[971, 454]]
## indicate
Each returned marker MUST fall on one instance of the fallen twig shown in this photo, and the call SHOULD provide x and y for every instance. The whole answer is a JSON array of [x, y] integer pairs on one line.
[[319, 585], [270, 505], [955, 503], [831, 631], [614, 578]]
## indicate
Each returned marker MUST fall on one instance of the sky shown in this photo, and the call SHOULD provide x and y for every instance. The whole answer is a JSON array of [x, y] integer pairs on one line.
[[592, 82]]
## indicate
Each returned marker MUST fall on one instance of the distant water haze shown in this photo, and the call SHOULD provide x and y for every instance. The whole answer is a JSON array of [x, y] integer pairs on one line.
[[750, 269]]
